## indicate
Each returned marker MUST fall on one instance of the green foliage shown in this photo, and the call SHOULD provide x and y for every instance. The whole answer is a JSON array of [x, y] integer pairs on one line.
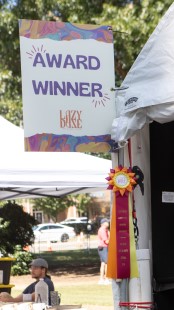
[[12, 111], [101, 155], [132, 25], [21, 265], [53, 206], [71, 259], [81, 202], [132, 22], [15, 228]]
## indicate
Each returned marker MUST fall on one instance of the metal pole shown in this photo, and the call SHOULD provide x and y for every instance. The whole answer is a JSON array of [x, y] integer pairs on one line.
[[121, 156]]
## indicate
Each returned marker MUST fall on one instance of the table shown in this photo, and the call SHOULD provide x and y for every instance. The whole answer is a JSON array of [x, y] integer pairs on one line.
[[36, 306], [68, 307], [22, 306]]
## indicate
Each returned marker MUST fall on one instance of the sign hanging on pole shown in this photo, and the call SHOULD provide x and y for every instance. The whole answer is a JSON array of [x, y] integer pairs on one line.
[[67, 82]]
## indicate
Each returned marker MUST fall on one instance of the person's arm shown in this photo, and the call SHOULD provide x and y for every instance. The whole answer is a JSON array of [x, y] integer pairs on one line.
[[106, 241], [6, 297], [108, 237]]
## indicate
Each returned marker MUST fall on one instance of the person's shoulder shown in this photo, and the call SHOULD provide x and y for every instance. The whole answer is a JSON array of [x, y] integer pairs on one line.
[[101, 228], [30, 288], [49, 283], [47, 279]]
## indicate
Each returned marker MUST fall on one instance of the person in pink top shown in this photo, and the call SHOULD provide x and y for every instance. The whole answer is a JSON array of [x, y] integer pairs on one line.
[[103, 241]]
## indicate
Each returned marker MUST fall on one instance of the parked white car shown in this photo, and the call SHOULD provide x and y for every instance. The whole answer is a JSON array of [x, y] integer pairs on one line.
[[74, 220], [53, 232]]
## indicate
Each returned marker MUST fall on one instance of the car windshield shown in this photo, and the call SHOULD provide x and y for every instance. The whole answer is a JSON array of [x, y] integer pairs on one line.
[[34, 227]]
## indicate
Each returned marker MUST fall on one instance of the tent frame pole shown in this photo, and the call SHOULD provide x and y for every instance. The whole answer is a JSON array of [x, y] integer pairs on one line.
[[119, 288]]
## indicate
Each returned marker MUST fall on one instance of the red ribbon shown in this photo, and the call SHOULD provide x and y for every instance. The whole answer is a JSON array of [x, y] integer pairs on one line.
[[122, 236]]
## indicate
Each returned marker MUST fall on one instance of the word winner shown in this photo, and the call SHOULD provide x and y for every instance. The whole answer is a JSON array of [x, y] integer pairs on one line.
[[55, 88], [66, 88]]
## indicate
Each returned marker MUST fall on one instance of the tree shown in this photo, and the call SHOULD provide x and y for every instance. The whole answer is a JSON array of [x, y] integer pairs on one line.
[[132, 22], [15, 227], [82, 201], [52, 206], [132, 25]]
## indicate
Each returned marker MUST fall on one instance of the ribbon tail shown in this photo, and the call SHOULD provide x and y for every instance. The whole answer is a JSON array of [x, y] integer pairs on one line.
[[112, 248], [115, 268], [134, 273]]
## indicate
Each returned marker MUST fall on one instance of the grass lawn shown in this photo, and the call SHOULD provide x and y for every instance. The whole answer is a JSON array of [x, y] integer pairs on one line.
[[86, 295], [83, 294], [80, 262]]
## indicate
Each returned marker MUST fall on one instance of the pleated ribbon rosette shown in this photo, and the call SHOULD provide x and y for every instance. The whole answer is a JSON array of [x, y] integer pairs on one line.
[[122, 261]]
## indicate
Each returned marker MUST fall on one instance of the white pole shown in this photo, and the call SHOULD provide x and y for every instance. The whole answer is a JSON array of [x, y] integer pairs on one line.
[[140, 288], [119, 288]]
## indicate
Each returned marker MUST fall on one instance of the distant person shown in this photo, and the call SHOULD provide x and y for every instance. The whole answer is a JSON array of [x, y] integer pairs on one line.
[[39, 268], [103, 241]]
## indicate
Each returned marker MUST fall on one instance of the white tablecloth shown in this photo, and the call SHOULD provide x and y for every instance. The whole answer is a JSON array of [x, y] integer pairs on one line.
[[22, 306], [34, 306]]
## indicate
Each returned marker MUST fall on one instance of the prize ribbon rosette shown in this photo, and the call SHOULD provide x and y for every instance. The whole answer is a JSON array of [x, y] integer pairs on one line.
[[122, 262]]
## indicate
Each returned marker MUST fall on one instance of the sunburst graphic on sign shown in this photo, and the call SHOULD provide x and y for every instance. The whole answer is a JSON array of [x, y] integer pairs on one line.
[[101, 101], [35, 50]]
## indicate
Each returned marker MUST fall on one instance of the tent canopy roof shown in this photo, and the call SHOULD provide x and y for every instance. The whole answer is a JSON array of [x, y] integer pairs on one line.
[[147, 93], [29, 175]]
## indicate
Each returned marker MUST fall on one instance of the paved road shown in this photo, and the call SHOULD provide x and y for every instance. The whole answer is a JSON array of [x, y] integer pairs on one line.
[[75, 244]]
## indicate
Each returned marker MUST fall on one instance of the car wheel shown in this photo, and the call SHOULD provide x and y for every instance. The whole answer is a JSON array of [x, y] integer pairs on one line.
[[64, 238]]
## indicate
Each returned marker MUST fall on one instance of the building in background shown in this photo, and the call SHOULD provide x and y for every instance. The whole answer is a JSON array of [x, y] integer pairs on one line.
[[98, 207]]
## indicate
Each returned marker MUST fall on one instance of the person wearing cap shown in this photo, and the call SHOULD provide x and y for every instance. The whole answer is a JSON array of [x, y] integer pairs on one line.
[[103, 241], [39, 268]]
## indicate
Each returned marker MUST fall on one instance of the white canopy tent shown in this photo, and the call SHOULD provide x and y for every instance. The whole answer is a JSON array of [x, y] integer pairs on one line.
[[146, 93], [29, 175]]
